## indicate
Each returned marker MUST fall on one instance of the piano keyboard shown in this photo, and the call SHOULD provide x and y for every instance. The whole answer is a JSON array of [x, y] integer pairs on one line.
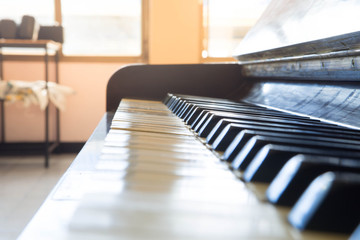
[[221, 170]]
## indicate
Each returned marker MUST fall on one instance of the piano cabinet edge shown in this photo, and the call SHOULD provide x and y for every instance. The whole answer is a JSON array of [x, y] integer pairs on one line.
[[88, 156], [153, 82], [55, 213]]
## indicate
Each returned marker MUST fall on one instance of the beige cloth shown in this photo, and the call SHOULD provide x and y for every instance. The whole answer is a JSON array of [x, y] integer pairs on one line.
[[35, 93]]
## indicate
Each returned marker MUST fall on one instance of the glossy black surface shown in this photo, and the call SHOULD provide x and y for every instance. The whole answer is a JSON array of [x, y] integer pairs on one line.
[[356, 234], [242, 136], [337, 103], [270, 159], [300, 171], [294, 22], [90, 153], [155, 81], [329, 204]]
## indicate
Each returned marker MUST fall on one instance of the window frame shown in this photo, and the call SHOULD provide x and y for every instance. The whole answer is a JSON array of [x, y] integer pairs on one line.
[[143, 58], [204, 20]]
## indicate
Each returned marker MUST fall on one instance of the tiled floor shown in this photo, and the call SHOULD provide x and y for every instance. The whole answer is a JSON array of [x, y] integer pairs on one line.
[[24, 185]]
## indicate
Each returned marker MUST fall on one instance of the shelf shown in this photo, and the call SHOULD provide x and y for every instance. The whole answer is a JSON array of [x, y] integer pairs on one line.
[[38, 44], [24, 43]]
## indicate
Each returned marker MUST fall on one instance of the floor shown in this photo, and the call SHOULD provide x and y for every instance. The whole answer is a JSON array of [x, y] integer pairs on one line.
[[24, 185]]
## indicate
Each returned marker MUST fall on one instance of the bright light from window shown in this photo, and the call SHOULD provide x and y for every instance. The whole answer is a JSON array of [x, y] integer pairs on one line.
[[42, 10], [227, 22], [108, 27]]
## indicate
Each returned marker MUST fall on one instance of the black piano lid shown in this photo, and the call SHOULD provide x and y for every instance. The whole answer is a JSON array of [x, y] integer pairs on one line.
[[304, 39], [304, 56], [286, 25]]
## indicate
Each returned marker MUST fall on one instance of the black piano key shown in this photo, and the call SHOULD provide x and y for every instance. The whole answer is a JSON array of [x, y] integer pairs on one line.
[[205, 128], [274, 125], [240, 107], [205, 117], [181, 108], [201, 121], [230, 107], [248, 109], [269, 160], [168, 100], [236, 145], [190, 106], [201, 105], [220, 141], [202, 117], [356, 234], [225, 106], [230, 126], [193, 116], [261, 155], [217, 122], [330, 203], [178, 107], [232, 148], [186, 111], [196, 116], [207, 100], [256, 116], [226, 138], [247, 154], [174, 103], [243, 109], [299, 172]]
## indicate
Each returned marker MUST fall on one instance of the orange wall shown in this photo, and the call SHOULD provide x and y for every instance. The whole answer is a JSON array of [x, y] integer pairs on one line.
[[174, 37], [83, 110], [174, 31]]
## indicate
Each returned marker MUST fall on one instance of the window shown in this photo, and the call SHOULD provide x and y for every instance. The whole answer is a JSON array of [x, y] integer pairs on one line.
[[102, 28], [226, 22], [42, 10], [91, 28]]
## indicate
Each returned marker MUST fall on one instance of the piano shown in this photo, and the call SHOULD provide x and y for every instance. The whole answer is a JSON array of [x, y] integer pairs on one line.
[[266, 147]]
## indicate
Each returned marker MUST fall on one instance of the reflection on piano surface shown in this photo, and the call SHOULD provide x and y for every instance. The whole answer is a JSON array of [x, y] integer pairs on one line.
[[264, 148]]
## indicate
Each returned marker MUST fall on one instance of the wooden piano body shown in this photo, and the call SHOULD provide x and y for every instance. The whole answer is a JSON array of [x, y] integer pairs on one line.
[[313, 71]]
